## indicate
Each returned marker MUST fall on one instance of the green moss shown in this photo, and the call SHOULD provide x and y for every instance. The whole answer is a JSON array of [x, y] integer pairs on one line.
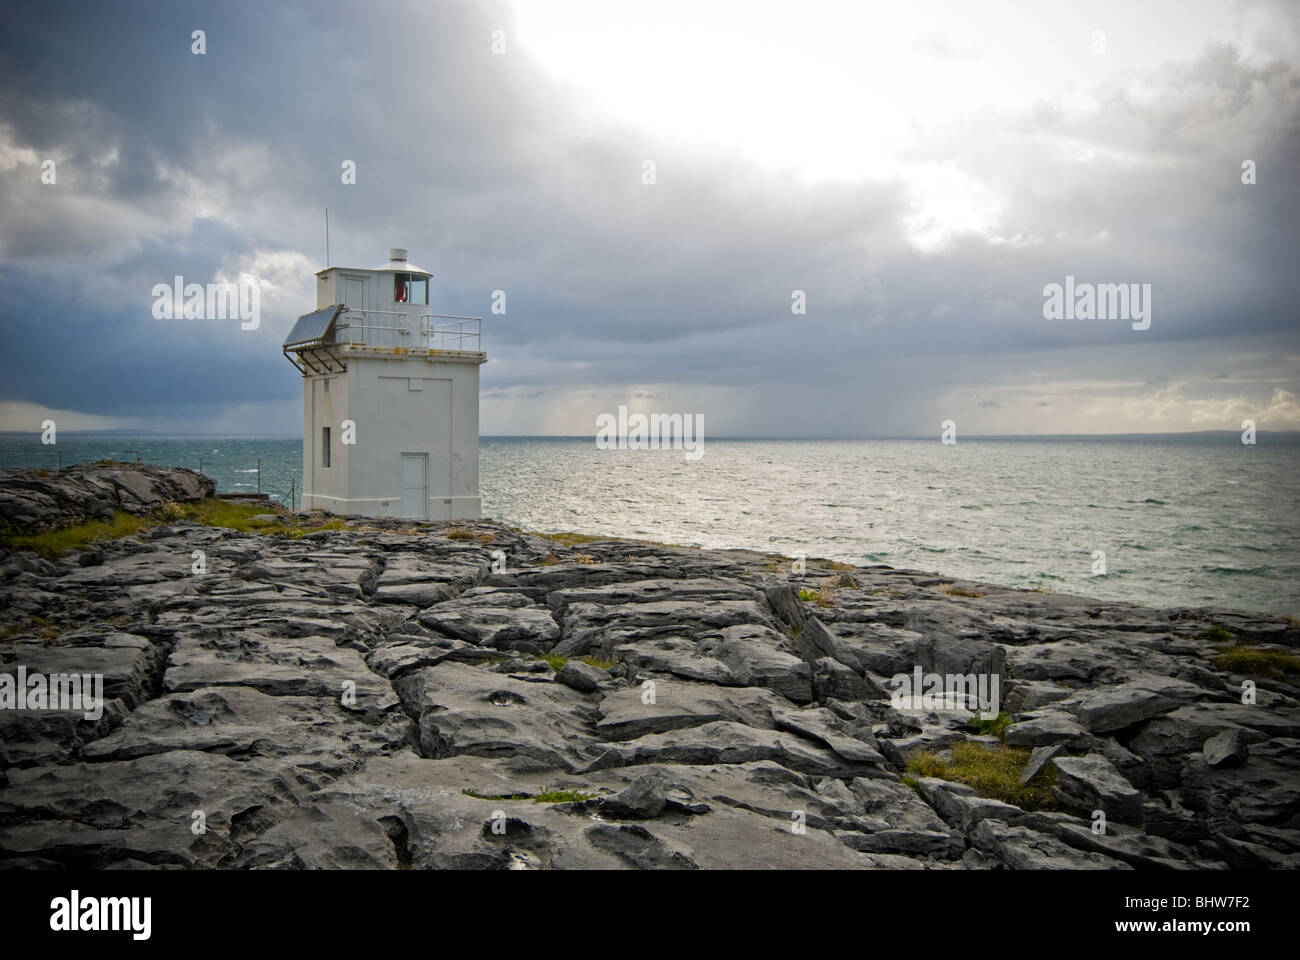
[[213, 512], [563, 796], [33, 624], [1273, 664], [546, 796], [297, 533], [993, 773], [556, 662], [808, 596], [55, 542]]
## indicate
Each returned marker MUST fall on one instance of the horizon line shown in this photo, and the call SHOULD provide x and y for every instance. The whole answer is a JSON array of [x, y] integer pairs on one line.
[[167, 434]]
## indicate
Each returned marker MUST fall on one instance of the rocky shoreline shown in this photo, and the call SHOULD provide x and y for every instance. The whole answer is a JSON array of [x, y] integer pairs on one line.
[[388, 695], [43, 500]]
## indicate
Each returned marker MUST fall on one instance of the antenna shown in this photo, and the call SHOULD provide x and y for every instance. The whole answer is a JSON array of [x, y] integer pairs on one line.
[[327, 237]]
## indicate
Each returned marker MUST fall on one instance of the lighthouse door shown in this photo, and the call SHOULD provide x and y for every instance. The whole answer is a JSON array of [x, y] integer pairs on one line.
[[354, 293], [414, 484]]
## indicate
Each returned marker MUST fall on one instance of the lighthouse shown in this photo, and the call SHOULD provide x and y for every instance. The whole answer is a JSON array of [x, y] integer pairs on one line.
[[389, 397]]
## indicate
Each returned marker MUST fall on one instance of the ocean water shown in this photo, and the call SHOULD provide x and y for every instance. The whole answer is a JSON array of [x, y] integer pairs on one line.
[[1180, 521], [232, 461]]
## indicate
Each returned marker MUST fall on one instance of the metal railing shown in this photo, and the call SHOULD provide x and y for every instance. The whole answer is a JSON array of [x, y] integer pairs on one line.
[[372, 328], [291, 496], [386, 328], [462, 334]]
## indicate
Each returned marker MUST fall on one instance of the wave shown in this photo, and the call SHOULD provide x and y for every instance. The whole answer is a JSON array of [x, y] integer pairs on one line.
[[1239, 571]]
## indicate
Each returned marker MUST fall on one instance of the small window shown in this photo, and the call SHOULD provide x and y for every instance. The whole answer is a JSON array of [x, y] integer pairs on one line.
[[327, 384], [410, 288], [325, 447]]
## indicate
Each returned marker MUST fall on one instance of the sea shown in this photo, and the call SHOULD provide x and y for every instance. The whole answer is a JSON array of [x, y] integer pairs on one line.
[[1162, 521]]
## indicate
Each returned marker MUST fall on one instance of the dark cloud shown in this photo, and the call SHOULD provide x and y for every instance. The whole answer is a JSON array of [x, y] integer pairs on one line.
[[170, 163]]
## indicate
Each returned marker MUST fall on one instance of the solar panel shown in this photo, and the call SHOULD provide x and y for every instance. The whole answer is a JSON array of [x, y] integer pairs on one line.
[[312, 328]]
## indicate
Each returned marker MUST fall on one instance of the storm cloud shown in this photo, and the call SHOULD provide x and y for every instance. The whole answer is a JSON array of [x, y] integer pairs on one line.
[[923, 278]]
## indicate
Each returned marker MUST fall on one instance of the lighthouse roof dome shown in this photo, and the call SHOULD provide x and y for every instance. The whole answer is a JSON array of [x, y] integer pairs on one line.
[[397, 263]]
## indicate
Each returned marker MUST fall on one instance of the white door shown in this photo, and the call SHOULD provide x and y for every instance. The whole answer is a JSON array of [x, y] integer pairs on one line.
[[354, 293], [354, 298], [414, 483]]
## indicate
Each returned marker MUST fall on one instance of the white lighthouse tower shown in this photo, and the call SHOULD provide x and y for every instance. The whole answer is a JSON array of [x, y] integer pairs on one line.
[[390, 397]]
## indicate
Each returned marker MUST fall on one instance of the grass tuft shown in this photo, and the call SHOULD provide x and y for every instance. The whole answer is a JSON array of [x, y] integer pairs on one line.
[[1273, 664], [557, 663], [213, 512], [55, 543], [563, 796], [1217, 634], [33, 624], [993, 726], [297, 533], [993, 773], [460, 533]]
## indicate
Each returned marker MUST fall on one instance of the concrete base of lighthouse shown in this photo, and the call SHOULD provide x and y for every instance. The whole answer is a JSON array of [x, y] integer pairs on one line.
[[439, 508]]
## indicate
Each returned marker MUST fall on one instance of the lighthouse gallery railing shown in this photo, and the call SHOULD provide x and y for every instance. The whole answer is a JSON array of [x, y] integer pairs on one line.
[[386, 328]]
